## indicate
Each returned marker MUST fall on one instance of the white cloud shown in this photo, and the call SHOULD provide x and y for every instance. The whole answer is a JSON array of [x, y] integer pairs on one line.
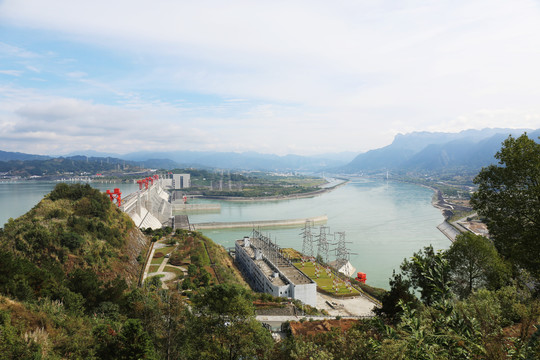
[[301, 75], [15, 51], [11, 72]]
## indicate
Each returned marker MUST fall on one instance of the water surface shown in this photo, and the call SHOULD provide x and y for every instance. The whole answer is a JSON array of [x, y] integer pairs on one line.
[[385, 222]]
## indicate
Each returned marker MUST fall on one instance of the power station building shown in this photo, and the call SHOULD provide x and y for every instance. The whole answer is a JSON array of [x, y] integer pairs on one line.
[[177, 181], [267, 270]]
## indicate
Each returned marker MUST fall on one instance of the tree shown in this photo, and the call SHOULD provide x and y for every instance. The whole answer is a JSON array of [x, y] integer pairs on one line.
[[399, 290], [225, 300], [429, 272], [134, 341], [508, 197], [224, 326], [475, 263]]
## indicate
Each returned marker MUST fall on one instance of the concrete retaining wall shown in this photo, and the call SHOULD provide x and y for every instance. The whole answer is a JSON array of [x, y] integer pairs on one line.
[[261, 223]]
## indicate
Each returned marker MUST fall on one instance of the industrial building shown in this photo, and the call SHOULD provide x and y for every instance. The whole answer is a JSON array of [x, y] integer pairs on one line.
[[177, 181], [267, 270]]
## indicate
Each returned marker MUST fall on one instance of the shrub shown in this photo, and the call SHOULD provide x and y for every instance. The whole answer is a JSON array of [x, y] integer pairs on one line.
[[57, 214], [95, 206], [71, 240], [176, 259], [72, 192]]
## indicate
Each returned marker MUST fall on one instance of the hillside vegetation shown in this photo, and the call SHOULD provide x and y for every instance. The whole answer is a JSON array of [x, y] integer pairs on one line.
[[205, 262], [74, 227], [74, 234], [68, 271]]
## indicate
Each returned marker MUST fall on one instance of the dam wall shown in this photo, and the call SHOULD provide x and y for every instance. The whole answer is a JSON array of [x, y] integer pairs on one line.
[[148, 208]]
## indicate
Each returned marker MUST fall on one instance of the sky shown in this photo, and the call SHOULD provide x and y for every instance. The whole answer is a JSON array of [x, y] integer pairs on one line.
[[283, 77]]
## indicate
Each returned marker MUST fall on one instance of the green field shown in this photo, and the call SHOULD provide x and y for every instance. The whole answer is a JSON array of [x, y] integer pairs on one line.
[[325, 281]]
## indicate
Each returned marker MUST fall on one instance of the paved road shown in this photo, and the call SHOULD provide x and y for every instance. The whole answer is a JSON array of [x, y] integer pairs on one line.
[[160, 271], [163, 263]]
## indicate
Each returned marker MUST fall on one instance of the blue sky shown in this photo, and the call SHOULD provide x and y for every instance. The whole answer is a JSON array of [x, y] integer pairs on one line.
[[302, 77]]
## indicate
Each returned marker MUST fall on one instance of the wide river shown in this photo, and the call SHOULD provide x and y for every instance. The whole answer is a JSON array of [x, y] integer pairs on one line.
[[384, 221]]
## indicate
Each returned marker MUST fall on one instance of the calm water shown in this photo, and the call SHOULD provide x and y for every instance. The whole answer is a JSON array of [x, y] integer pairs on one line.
[[384, 221]]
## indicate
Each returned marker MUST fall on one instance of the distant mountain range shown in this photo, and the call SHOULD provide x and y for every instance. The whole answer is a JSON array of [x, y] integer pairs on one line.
[[245, 161], [421, 151], [199, 159], [417, 151], [8, 156]]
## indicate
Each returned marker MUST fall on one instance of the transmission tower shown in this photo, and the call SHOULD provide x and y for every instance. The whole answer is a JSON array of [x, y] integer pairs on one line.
[[269, 248], [307, 245], [342, 252], [322, 243]]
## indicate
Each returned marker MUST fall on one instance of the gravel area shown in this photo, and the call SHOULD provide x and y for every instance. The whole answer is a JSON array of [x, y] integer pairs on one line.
[[356, 306]]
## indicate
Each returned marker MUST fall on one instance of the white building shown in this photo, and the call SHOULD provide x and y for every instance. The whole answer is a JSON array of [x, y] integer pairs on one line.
[[177, 181], [266, 270]]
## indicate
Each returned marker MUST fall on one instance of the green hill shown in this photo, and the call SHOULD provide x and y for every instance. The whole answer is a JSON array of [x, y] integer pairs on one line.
[[76, 226], [74, 233]]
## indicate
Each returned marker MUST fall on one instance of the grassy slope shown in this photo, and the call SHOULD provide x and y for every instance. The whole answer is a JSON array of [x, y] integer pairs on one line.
[[76, 228], [194, 248]]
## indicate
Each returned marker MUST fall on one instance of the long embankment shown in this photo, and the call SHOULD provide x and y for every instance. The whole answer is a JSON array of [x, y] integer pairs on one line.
[[274, 198], [258, 224], [450, 229], [178, 206]]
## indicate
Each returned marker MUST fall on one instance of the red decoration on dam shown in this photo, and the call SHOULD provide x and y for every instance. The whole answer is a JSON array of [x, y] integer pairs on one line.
[[116, 194]]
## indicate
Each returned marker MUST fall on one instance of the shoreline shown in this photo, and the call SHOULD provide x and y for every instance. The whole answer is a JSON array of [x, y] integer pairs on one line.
[[274, 198]]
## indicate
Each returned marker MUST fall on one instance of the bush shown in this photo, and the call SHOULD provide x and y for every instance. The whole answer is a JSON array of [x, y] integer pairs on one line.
[[195, 259], [72, 192], [176, 259], [94, 206], [377, 293], [57, 214], [71, 240]]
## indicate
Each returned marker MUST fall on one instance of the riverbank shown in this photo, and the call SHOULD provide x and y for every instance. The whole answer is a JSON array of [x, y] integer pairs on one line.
[[274, 198]]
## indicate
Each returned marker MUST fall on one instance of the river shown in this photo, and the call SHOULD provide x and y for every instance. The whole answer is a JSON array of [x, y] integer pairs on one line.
[[384, 221]]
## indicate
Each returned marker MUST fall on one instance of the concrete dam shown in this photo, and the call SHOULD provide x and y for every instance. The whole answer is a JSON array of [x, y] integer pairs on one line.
[[152, 207], [149, 208]]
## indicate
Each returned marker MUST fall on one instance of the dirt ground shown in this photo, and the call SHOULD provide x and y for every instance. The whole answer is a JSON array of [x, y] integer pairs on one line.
[[356, 306]]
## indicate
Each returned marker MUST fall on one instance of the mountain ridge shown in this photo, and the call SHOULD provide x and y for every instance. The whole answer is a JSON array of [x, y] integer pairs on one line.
[[468, 149]]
